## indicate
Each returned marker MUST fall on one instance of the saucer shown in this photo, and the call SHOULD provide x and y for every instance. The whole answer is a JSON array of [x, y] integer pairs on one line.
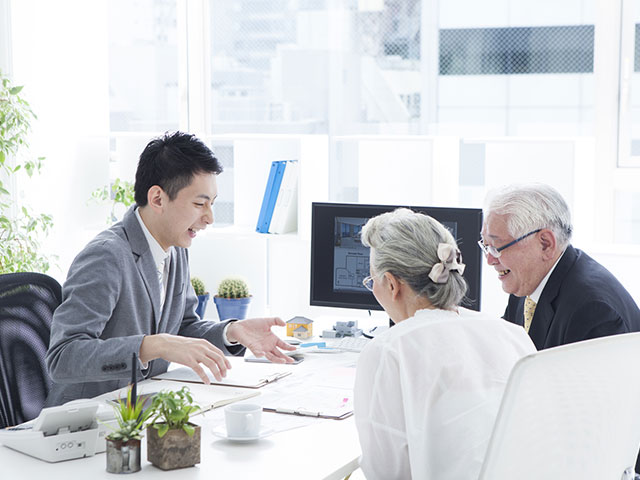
[[221, 432]]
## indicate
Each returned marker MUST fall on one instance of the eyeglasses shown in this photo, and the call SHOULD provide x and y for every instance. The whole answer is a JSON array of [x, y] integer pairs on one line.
[[496, 252], [368, 283]]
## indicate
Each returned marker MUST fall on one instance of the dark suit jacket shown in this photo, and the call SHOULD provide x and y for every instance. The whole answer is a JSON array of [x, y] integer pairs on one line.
[[581, 300], [110, 301]]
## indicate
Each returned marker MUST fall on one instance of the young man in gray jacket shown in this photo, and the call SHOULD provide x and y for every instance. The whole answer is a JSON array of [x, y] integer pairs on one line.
[[129, 290]]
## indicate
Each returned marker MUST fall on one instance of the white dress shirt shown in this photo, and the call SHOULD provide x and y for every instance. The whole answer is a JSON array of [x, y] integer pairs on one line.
[[428, 390], [535, 296]]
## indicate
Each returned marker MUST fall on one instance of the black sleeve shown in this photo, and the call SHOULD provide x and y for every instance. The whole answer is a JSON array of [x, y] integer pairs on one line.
[[593, 320]]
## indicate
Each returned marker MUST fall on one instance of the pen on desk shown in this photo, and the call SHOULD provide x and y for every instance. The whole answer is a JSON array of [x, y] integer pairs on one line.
[[134, 380]]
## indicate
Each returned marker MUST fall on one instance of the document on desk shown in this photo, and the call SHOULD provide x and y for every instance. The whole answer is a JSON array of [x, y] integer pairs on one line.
[[218, 396], [207, 396], [247, 378], [314, 401]]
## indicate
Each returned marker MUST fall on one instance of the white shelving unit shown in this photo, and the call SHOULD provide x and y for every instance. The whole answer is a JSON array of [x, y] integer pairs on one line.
[[276, 266]]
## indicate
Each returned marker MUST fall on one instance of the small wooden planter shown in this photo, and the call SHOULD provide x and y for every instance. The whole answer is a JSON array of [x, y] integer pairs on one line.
[[175, 450]]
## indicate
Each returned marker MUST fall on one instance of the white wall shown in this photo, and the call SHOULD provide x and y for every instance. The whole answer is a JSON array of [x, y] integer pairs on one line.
[[61, 62]]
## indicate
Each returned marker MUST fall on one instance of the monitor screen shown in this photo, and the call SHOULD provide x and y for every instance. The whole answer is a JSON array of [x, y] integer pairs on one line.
[[339, 262]]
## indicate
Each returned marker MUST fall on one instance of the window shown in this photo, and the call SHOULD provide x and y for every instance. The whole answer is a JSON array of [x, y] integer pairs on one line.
[[143, 65], [516, 50]]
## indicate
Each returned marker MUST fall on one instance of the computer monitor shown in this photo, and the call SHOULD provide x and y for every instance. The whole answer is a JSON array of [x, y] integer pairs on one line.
[[339, 261]]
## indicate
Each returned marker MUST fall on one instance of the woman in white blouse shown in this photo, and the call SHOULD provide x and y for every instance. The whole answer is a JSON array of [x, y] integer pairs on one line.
[[428, 390]]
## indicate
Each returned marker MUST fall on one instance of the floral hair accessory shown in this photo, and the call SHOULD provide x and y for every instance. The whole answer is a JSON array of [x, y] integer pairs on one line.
[[451, 259]]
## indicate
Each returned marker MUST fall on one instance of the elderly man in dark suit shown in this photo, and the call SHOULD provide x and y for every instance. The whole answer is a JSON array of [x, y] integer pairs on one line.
[[557, 293]]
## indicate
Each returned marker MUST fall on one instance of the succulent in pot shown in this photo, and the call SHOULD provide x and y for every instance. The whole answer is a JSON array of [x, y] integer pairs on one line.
[[172, 440], [123, 443]]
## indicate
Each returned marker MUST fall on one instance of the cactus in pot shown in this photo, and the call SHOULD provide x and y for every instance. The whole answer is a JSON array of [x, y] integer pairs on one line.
[[202, 294], [233, 298], [233, 287]]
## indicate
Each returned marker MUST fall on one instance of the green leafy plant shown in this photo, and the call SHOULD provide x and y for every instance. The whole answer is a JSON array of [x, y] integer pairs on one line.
[[198, 286], [172, 410], [21, 230], [131, 419], [119, 192], [233, 287]]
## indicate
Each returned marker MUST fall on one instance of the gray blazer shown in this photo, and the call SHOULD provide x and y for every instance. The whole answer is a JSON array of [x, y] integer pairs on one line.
[[110, 301]]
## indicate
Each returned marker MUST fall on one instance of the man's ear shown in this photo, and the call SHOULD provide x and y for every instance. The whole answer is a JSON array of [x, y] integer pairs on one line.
[[156, 198], [548, 242]]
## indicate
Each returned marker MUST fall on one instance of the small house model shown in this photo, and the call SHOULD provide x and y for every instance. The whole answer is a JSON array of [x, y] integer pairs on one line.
[[300, 327]]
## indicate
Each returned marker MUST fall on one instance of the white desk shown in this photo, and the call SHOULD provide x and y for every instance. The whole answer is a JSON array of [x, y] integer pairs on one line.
[[323, 449]]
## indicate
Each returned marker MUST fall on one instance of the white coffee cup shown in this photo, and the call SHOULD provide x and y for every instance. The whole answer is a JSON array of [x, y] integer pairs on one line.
[[243, 420]]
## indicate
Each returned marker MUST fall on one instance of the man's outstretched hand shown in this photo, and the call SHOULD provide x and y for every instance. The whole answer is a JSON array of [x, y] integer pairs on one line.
[[256, 335]]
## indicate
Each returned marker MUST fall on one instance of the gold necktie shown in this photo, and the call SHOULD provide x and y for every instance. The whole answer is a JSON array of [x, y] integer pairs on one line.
[[529, 310]]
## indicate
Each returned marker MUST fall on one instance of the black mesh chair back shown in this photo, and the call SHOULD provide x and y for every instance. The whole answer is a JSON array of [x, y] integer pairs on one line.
[[27, 303]]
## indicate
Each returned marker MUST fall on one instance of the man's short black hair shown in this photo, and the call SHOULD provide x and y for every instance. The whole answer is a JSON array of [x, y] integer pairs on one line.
[[171, 161]]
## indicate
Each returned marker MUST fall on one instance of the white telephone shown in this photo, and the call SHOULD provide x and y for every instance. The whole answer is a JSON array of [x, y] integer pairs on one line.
[[60, 433]]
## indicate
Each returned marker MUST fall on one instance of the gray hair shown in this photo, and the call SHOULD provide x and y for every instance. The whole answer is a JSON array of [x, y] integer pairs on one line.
[[406, 245], [529, 207]]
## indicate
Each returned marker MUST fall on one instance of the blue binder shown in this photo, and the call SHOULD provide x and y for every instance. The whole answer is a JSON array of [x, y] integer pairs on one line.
[[270, 195]]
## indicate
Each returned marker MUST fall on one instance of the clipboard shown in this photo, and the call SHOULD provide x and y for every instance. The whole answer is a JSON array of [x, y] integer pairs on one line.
[[316, 401], [243, 378]]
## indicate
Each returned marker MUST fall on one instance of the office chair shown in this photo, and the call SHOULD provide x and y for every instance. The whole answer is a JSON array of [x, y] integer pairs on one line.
[[27, 303], [570, 412]]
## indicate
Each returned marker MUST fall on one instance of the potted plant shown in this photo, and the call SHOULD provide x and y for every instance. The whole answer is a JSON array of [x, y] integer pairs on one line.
[[203, 295], [21, 229], [172, 441], [121, 195], [123, 444], [232, 300]]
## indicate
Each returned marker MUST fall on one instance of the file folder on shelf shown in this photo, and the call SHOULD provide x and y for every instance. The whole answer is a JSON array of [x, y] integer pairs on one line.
[[270, 195], [285, 212]]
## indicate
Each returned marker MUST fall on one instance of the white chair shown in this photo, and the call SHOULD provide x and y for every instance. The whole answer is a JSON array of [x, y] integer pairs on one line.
[[570, 412]]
